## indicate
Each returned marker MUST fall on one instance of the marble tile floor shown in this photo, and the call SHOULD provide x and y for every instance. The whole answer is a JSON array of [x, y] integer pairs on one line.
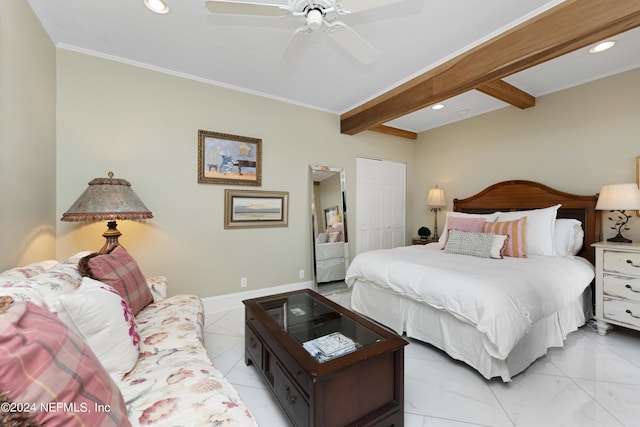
[[592, 381]]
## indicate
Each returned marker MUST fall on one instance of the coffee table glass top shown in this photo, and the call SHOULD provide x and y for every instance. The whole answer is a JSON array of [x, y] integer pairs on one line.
[[323, 331]]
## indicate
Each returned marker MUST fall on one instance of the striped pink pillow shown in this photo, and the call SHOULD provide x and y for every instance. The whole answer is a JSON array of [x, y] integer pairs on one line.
[[515, 246], [44, 363]]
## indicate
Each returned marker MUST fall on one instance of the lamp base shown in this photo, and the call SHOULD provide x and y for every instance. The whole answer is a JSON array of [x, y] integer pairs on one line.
[[111, 236], [619, 239]]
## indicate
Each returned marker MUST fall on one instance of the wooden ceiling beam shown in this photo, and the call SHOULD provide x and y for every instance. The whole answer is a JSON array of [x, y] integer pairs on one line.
[[508, 93], [571, 25], [395, 131]]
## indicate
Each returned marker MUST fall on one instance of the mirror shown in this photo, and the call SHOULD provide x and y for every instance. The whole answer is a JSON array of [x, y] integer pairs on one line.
[[329, 225]]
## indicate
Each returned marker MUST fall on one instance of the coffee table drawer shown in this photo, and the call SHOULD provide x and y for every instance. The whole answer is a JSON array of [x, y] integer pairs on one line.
[[253, 346], [290, 398]]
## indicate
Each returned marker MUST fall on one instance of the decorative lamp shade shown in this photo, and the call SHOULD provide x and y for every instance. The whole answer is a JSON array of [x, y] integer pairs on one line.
[[107, 199], [619, 197], [335, 219], [436, 197]]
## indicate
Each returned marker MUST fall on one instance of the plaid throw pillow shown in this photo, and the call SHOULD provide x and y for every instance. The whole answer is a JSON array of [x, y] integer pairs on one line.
[[47, 366], [120, 271]]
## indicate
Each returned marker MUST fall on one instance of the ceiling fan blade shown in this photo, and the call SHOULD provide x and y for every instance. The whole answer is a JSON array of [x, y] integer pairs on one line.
[[296, 45], [359, 5], [244, 8], [353, 43]]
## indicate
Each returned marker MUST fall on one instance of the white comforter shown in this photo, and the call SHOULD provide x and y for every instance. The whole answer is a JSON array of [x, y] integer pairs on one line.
[[500, 297]]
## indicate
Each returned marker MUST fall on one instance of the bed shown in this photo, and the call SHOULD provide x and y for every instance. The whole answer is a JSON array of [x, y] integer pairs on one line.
[[330, 254], [496, 315]]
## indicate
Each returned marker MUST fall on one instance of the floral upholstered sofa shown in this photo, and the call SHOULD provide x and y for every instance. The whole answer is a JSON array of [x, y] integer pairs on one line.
[[77, 350]]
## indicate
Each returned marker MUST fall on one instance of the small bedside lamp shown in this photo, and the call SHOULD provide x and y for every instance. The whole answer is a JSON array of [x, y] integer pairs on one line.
[[435, 198], [108, 199], [620, 198], [335, 219]]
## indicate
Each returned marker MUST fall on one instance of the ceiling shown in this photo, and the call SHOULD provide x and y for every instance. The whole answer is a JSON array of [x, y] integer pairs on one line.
[[243, 52]]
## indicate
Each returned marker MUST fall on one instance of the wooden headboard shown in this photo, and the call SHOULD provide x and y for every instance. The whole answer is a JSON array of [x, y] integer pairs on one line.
[[521, 195]]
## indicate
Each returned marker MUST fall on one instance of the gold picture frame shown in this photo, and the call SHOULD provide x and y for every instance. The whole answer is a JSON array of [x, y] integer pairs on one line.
[[229, 159], [255, 209]]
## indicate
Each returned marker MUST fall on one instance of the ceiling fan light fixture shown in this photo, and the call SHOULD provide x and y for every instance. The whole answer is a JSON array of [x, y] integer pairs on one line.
[[157, 6], [602, 46], [314, 19]]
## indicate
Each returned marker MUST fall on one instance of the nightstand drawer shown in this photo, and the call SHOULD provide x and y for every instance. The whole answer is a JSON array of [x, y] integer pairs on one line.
[[622, 287], [622, 262], [622, 311]]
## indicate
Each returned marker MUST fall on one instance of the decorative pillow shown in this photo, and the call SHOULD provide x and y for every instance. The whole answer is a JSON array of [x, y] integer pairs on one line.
[[443, 237], [540, 228], [103, 318], [24, 272], [333, 237], [119, 270], [481, 245], [322, 238], [57, 369], [472, 225], [569, 236], [56, 281], [517, 236]]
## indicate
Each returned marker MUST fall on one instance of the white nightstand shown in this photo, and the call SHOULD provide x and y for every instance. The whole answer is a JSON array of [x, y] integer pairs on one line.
[[617, 296]]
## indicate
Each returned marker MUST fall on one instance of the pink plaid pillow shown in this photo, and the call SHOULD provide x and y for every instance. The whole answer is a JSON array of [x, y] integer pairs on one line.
[[48, 366], [119, 270], [516, 244]]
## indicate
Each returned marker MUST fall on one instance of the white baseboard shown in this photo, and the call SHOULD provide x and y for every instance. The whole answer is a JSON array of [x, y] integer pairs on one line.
[[231, 301]]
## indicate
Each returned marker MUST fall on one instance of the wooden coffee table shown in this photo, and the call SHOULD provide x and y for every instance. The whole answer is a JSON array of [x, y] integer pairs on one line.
[[363, 387]]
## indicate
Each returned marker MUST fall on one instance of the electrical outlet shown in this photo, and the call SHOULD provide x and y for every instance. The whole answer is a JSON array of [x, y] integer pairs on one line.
[[301, 274], [243, 282]]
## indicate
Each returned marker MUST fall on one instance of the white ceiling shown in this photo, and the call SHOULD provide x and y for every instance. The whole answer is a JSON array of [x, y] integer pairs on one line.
[[243, 52]]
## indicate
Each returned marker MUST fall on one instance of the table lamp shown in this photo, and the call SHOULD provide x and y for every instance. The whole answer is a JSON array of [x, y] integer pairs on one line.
[[107, 199], [619, 198], [435, 198]]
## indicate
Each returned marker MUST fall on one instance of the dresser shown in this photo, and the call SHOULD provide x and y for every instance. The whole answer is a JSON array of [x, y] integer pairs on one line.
[[617, 298]]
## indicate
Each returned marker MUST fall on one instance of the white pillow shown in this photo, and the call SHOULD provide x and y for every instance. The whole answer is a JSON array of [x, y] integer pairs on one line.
[[443, 237], [103, 318], [322, 238], [333, 237], [540, 228], [569, 236]]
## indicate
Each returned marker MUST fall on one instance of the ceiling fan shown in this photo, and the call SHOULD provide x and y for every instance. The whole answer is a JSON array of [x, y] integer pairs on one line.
[[316, 14]]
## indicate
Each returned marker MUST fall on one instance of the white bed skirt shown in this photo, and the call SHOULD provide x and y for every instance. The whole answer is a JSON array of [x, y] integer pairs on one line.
[[462, 341]]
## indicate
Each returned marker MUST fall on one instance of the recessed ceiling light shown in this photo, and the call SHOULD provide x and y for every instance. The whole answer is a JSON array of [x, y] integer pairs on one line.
[[602, 46], [157, 6], [438, 107]]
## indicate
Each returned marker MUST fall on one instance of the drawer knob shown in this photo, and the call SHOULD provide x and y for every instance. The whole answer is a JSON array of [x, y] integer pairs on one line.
[[631, 314], [287, 393], [632, 264], [631, 288]]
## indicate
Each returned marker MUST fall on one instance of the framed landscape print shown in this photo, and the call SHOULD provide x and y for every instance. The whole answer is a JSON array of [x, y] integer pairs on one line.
[[229, 159], [252, 209]]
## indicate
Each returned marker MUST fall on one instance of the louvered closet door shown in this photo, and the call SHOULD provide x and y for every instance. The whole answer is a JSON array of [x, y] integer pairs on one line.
[[380, 204]]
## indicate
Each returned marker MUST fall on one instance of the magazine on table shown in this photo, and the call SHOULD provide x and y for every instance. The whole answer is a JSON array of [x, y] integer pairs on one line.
[[330, 346]]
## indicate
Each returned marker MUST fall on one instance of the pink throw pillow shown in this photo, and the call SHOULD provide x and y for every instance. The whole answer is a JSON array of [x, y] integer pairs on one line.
[[468, 225], [516, 243], [119, 270], [48, 366]]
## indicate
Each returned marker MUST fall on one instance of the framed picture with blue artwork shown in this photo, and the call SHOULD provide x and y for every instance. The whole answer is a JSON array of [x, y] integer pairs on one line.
[[229, 159]]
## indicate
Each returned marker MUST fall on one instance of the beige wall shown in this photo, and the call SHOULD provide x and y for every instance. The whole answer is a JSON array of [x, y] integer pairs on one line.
[[143, 125], [27, 137], [574, 140]]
